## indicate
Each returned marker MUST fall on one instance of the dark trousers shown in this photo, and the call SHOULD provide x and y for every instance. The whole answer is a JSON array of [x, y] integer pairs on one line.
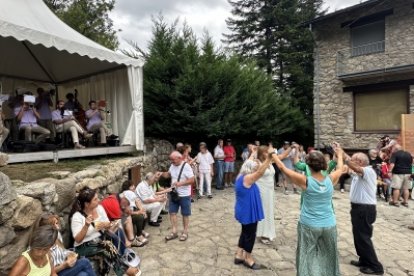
[[138, 222], [342, 180], [248, 237], [362, 217]]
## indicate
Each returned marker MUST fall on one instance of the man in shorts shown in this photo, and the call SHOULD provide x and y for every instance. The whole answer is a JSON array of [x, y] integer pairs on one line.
[[400, 166], [229, 158], [182, 177]]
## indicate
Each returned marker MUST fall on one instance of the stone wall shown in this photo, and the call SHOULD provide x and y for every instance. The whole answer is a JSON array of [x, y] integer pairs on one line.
[[21, 203], [336, 106]]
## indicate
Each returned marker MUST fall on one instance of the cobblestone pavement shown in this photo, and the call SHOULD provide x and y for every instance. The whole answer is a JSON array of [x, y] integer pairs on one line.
[[214, 233]]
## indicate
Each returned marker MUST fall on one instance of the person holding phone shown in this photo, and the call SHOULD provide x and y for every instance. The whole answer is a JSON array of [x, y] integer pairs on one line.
[[27, 117], [88, 221], [66, 261]]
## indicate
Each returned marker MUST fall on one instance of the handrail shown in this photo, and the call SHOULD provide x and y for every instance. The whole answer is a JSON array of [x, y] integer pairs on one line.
[[348, 61]]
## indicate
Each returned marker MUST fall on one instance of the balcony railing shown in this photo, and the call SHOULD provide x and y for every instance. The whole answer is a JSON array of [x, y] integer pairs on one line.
[[370, 48], [373, 57]]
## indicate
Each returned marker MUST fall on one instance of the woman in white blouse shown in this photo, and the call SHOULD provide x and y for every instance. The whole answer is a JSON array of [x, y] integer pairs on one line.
[[88, 221]]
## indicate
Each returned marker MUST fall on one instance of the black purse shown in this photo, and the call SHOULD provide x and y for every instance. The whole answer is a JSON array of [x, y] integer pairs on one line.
[[174, 194]]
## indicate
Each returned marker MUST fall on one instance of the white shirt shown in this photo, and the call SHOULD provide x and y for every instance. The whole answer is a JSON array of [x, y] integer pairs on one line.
[[364, 188], [186, 174], [219, 153], [204, 161], [78, 221], [131, 196], [144, 191]]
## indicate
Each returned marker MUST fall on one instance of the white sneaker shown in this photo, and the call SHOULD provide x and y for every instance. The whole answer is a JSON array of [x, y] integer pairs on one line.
[[342, 191]]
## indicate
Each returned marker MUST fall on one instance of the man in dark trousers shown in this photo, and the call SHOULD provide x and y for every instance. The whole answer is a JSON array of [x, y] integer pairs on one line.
[[401, 162], [363, 212]]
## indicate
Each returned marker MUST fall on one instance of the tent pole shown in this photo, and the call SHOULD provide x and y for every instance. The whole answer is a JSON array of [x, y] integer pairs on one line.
[[38, 63]]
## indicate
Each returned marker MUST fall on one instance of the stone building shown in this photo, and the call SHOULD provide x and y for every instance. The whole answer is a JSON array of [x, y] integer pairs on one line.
[[364, 72]]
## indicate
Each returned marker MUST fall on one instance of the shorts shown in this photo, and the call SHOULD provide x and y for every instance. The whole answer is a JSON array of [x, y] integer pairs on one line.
[[228, 167], [401, 181], [184, 203]]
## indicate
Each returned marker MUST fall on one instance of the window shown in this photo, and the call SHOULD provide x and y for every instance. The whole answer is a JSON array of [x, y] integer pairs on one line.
[[368, 38], [380, 111]]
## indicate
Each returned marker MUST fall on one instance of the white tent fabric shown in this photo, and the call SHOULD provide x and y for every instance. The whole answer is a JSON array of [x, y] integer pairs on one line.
[[37, 46], [132, 137], [31, 28]]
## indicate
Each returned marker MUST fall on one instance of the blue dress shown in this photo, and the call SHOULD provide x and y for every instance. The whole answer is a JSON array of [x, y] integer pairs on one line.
[[248, 208]]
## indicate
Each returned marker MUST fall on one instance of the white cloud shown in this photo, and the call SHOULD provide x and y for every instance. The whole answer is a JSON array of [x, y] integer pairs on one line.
[[133, 17]]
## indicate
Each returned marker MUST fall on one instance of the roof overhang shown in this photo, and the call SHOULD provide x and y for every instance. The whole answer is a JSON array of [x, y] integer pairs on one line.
[[36, 45]]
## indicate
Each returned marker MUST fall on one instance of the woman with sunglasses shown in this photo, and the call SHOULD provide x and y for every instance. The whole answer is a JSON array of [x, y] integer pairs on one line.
[[88, 222], [37, 261]]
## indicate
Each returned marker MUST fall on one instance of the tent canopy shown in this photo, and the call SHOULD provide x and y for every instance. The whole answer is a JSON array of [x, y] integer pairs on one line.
[[35, 45]]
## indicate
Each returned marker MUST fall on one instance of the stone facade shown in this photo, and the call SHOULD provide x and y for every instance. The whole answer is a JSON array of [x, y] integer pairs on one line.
[[333, 63], [21, 203]]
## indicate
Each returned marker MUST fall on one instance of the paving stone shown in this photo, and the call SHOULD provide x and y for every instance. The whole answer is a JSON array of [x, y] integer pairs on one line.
[[214, 234]]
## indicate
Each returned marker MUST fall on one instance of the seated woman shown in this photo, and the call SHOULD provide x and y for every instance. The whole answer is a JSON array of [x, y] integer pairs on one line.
[[135, 209], [65, 261], [112, 205], [317, 251], [37, 260], [89, 222]]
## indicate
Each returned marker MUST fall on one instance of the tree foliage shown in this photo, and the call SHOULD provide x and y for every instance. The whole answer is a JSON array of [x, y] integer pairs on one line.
[[272, 32], [88, 17], [193, 91]]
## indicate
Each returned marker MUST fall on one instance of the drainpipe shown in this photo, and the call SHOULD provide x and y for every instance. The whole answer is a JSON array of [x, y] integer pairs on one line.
[[316, 90]]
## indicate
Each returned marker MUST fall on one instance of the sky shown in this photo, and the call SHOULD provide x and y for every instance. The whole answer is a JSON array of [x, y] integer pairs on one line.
[[134, 17]]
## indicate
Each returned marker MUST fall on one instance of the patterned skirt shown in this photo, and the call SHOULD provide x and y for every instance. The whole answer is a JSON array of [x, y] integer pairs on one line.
[[317, 251]]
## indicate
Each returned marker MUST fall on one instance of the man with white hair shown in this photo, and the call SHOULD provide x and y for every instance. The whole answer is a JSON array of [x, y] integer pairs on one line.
[[151, 202], [363, 212], [182, 177]]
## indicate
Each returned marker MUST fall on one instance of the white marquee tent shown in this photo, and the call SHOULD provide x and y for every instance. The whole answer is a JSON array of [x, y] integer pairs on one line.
[[37, 47]]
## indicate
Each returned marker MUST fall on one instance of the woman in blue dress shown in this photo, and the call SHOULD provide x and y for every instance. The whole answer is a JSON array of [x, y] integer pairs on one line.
[[249, 209], [317, 251]]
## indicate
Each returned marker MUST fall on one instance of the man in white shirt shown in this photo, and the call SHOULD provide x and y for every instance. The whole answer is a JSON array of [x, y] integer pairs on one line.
[[65, 122], [205, 163], [363, 212], [182, 177], [219, 160], [152, 203]]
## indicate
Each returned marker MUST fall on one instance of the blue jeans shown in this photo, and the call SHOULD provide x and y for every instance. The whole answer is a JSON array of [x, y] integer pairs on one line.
[[82, 267], [219, 173]]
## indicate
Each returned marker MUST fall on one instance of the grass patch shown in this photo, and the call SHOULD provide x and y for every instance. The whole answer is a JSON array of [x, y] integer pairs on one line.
[[28, 172]]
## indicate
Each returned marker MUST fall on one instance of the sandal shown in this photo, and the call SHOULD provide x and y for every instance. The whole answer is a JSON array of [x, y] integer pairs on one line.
[[405, 204], [171, 236], [392, 203], [266, 241], [183, 237]]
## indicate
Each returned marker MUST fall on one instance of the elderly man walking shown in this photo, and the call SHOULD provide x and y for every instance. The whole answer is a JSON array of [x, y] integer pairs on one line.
[[182, 177], [363, 212]]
